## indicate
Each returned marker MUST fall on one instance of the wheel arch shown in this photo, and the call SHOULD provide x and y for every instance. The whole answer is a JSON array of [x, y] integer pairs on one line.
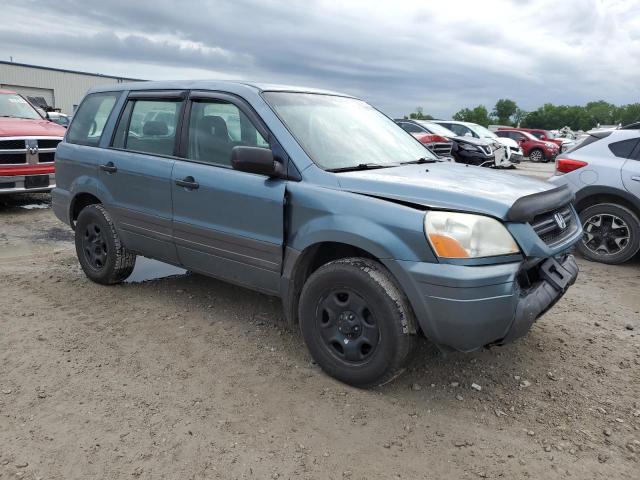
[[299, 265], [79, 201], [590, 196]]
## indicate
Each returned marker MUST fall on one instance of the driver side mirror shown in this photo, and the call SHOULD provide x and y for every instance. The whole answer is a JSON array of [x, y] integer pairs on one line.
[[255, 160]]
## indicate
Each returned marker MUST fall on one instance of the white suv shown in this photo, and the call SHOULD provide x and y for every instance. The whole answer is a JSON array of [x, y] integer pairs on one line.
[[467, 129], [604, 173]]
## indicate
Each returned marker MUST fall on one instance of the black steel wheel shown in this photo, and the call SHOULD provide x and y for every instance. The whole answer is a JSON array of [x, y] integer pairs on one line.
[[101, 254], [357, 324], [94, 246], [347, 326], [611, 233]]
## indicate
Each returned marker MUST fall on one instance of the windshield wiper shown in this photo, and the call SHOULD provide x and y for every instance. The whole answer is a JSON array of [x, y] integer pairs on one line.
[[420, 160], [360, 166]]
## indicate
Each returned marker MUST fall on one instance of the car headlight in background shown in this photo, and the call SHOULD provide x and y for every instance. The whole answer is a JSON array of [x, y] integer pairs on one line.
[[464, 235], [467, 146]]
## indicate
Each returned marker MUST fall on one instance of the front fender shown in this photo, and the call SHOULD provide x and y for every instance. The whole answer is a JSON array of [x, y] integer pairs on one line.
[[383, 228]]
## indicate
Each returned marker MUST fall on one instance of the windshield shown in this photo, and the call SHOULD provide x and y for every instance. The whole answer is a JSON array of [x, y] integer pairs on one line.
[[437, 129], [12, 105], [481, 131], [339, 133]]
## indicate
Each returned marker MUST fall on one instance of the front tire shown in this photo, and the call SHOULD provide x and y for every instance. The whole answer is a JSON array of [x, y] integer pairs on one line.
[[611, 233], [536, 155], [100, 252], [357, 324]]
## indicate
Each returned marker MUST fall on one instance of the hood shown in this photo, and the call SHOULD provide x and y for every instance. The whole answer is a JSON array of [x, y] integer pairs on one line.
[[447, 186], [23, 127]]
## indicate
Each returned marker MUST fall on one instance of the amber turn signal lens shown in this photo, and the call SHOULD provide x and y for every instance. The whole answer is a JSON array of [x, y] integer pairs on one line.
[[447, 247]]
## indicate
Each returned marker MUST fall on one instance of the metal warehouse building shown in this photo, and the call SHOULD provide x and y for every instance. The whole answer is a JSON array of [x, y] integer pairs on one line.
[[59, 88]]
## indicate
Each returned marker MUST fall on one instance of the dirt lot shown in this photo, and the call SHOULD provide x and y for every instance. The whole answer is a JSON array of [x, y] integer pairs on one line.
[[186, 377]]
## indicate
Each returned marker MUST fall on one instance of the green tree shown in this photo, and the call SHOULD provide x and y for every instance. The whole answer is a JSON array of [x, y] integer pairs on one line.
[[504, 110], [419, 115], [478, 115]]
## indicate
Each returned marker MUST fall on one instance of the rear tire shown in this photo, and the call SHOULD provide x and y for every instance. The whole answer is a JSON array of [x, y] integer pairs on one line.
[[611, 233], [357, 324], [100, 252]]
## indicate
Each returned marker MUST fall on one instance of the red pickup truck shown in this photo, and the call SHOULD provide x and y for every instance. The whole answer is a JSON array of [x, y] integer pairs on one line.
[[27, 146]]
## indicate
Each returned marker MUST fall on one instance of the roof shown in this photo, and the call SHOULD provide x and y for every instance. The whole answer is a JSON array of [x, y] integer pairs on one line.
[[224, 85], [63, 70]]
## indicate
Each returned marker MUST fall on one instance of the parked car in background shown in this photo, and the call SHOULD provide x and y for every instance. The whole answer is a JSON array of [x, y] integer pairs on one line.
[[27, 146], [59, 118], [469, 150], [324, 202], [536, 150], [468, 129], [604, 173], [438, 144]]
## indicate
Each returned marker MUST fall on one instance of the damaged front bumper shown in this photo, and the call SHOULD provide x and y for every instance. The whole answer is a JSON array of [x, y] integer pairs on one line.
[[465, 308]]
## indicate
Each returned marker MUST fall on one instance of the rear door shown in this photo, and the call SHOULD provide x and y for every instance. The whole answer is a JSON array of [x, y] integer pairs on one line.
[[631, 170], [226, 223], [137, 176]]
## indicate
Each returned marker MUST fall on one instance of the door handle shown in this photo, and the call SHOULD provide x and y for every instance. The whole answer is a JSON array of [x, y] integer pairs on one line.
[[109, 167], [636, 178], [188, 183]]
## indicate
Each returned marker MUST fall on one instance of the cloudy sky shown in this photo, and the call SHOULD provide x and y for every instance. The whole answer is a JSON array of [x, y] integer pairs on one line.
[[397, 55]]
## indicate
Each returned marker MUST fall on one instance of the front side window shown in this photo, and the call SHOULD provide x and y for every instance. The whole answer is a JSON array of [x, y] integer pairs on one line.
[[14, 106], [90, 119], [338, 132], [148, 126], [215, 127]]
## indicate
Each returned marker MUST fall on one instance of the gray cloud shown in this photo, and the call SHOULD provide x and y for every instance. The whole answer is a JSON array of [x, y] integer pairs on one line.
[[397, 56]]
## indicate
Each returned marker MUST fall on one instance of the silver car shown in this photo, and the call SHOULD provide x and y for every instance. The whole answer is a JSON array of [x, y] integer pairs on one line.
[[604, 173]]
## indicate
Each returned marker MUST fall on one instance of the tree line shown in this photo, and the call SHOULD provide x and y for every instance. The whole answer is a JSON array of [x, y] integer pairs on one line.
[[548, 116]]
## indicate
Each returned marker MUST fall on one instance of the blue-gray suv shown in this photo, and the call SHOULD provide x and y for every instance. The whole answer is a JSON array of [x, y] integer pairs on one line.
[[320, 199]]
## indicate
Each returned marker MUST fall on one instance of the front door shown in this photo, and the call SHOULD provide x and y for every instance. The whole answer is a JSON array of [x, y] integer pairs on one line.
[[137, 175], [226, 223]]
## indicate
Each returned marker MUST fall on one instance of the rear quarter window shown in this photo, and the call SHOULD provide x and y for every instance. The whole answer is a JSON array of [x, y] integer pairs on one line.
[[624, 148], [91, 118]]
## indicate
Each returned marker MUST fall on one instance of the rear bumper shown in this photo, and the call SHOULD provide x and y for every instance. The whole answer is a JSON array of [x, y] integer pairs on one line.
[[468, 307]]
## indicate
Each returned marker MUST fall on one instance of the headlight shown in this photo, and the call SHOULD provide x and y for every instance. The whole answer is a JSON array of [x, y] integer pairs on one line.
[[467, 146], [464, 235]]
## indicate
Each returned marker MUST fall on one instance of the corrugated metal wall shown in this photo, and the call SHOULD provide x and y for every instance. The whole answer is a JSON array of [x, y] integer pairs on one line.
[[68, 87]]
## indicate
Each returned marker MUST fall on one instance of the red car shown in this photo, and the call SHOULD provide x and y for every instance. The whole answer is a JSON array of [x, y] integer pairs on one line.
[[27, 146], [537, 150], [539, 133]]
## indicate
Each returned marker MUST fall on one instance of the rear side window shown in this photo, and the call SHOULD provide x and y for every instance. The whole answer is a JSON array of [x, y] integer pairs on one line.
[[623, 149], [90, 118], [148, 126], [411, 128]]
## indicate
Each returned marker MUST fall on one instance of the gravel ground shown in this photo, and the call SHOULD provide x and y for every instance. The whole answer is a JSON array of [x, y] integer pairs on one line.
[[187, 377]]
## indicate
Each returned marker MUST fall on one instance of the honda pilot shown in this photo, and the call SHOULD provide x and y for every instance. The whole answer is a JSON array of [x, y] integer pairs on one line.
[[315, 197]]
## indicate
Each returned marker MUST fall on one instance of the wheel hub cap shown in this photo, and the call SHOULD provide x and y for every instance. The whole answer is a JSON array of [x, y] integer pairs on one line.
[[349, 325]]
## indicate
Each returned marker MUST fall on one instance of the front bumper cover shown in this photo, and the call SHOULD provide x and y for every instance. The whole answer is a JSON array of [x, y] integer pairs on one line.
[[465, 308], [555, 278]]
